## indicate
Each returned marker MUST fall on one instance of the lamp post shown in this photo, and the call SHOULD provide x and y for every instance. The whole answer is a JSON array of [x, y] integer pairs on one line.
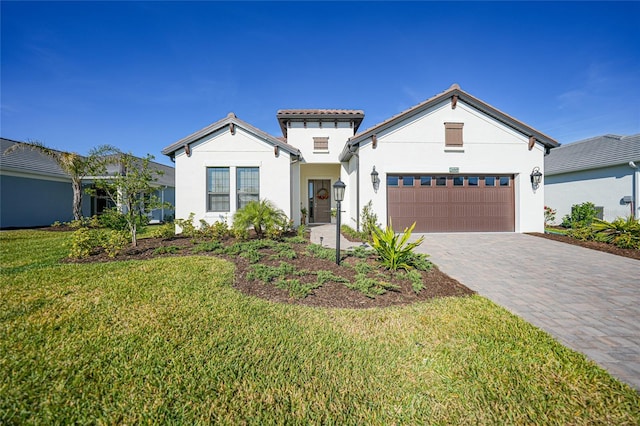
[[338, 195]]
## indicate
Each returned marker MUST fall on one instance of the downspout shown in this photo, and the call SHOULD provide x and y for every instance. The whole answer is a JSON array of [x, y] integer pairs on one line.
[[635, 190], [354, 151]]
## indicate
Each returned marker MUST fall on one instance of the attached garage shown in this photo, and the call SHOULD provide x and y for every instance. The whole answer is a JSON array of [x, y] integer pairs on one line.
[[451, 203]]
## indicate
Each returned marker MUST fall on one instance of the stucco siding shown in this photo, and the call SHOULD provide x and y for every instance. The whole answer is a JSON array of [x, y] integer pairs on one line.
[[223, 149], [604, 187], [301, 137], [417, 145]]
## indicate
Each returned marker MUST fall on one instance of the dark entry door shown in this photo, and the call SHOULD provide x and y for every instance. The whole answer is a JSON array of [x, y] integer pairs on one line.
[[319, 201]]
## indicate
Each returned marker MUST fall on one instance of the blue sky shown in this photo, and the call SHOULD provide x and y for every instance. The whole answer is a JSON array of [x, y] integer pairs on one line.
[[141, 75]]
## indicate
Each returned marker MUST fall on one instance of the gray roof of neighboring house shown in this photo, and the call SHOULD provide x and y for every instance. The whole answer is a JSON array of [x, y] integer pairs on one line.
[[593, 153], [462, 96], [28, 161], [335, 115], [33, 162], [228, 120]]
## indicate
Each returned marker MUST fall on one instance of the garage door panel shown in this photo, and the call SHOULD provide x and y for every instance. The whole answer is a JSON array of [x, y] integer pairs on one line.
[[453, 208]]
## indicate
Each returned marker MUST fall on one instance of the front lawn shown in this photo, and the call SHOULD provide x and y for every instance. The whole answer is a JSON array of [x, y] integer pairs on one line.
[[169, 340]]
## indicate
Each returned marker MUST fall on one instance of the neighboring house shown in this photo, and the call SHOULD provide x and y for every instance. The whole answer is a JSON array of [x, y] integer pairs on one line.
[[604, 170], [35, 192], [450, 163]]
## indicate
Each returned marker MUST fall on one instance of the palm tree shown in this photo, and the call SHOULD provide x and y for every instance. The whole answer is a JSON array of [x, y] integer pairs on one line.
[[76, 166]]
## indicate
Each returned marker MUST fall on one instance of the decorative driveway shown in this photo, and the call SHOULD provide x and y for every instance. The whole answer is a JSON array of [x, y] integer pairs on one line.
[[588, 300]]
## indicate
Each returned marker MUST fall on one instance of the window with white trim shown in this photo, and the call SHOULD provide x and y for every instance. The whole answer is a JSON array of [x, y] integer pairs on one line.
[[248, 185], [218, 189]]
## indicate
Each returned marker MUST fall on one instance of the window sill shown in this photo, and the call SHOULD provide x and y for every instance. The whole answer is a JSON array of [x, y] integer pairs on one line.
[[453, 149], [320, 151]]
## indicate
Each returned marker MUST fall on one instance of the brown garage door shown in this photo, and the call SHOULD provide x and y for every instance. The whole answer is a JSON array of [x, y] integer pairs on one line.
[[451, 203]]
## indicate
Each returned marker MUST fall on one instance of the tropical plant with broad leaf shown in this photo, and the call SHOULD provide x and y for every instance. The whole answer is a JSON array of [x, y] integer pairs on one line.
[[624, 233], [395, 250], [263, 216]]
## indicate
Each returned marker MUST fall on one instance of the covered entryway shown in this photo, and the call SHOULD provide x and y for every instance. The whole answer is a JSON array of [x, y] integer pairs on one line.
[[451, 203]]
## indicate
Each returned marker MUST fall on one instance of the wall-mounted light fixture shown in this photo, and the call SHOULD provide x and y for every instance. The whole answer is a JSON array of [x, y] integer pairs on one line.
[[536, 177], [375, 180]]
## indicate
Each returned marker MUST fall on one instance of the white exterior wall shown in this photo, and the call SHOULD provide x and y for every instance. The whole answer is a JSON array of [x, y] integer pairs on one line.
[[302, 138], [417, 145], [603, 187], [222, 149]]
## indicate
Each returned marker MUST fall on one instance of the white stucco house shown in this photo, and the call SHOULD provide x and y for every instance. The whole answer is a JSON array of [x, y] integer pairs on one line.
[[604, 170], [451, 163]]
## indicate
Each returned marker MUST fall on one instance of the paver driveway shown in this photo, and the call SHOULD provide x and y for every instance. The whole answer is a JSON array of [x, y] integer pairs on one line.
[[588, 300]]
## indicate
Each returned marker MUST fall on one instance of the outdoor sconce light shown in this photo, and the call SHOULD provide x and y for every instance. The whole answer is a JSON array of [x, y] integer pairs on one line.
[[536, 177], [338, 195], [375, 180]]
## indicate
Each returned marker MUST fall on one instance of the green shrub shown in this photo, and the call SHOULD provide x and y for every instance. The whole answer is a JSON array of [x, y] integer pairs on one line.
[[83, 242], [624, 233], [296, 240], [316, 250], [420, 261], [417, 284], [263, 216], [115, 241], [266, 273], [369, 221], [394, 249], [581, 215], [187, 227], [213, 246], [165, 231], [252, 255], [360, 252], [166, 250], [324, 277], [370, 287], [353, 234], [296, 289], [582, 233]]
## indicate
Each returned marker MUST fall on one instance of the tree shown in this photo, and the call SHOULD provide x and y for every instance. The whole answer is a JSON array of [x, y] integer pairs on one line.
[[261, 215], [131, 187], [76, 166]]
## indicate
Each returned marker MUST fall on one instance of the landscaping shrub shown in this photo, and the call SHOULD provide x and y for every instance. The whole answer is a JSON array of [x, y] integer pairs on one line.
[[83, 241], [165, 231], [187, 228], [353, 234], [394, 250], [115, 241], [549, 216], [624, 233], [213, 246], [166, 250], [417, 283], [582, 233], [263, 216], [369, 221], [581, 215], [316, 250], [370, 287]]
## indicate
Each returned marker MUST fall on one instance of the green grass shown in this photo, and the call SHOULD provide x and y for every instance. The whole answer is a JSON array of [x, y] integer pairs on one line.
[[170, 341]]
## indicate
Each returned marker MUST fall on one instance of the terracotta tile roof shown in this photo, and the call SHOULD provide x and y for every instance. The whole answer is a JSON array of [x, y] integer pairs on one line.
[[332, 112]]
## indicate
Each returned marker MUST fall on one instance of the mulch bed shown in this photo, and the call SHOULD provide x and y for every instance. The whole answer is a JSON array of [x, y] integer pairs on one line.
[[594, 245], [334, 295]]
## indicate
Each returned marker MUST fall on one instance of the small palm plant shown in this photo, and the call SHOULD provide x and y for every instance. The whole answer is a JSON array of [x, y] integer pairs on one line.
[[624, 233], [261, 215], [394, 249]]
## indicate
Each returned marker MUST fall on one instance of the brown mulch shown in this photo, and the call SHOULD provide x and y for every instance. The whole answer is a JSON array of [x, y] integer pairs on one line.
[[334, 295], [594, 245]]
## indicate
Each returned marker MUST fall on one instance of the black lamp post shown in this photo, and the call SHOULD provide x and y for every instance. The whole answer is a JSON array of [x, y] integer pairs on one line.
[[338, 195]]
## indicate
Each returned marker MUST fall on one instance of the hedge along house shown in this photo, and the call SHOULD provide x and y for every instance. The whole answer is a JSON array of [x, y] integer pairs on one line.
[[35, 192], [451, 163]]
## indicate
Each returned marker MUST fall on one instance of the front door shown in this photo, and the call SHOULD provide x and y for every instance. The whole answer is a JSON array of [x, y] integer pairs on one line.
[[319, 201]]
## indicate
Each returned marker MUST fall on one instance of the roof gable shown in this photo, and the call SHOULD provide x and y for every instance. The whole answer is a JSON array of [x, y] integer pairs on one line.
[[324, 115], [230, 120], [455, 94], [593, 153]]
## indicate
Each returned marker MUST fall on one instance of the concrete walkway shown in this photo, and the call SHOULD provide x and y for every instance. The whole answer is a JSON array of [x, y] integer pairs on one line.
[[588, 300]]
